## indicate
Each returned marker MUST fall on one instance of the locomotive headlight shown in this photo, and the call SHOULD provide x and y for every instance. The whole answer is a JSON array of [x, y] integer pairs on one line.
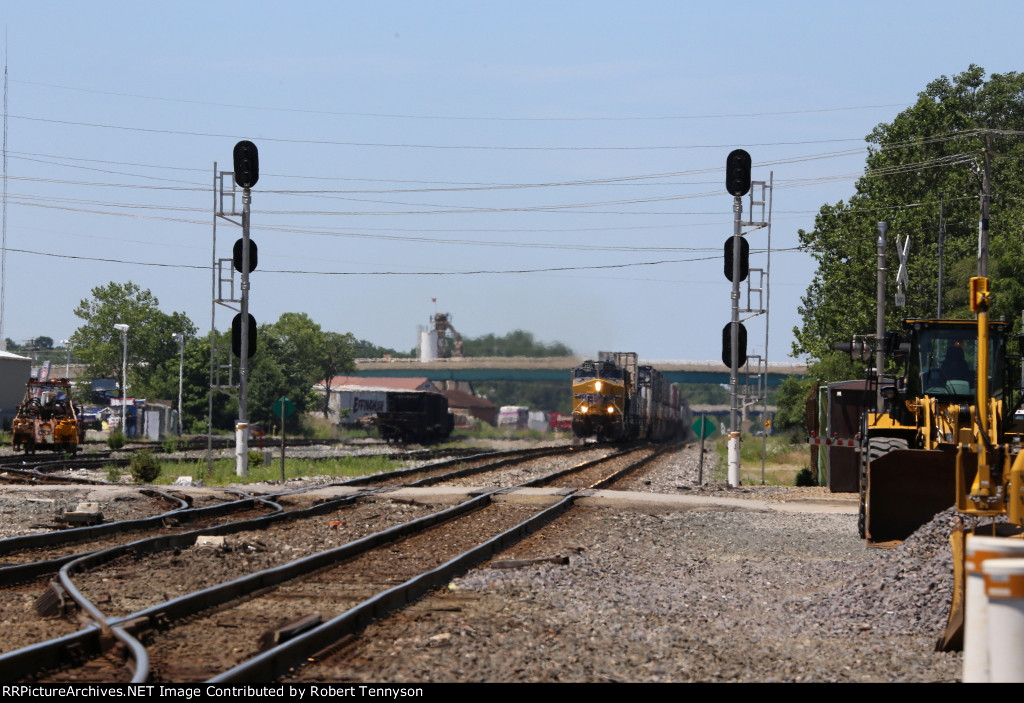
[[597, 386], [611, 409], [583, 408]]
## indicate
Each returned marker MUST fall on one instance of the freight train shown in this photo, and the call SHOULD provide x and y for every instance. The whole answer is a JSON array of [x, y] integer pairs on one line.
[[615, 399], [47, 419], [415, 416]]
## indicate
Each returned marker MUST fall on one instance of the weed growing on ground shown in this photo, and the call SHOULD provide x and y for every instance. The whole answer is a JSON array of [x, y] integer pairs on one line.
[[145, 467], [116, 440]]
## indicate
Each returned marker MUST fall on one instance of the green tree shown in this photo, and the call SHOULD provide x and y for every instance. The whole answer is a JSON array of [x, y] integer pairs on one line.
[[548, 396], [293, 355], [151, 350], [791, 396], [362, 349], [334, 357], [705, 393], [515, 343], [196, 386], [931, 153]]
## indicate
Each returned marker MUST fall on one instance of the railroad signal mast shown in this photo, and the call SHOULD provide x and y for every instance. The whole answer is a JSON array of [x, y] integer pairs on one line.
[[737, 270], [243, 326]]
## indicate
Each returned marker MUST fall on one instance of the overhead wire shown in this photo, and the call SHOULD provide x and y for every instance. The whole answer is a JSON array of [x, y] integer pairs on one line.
[[456, 147], [461, 118], [473, 272]]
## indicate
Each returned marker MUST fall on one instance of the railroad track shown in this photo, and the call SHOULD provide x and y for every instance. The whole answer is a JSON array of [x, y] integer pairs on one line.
[[28, 563], [284, 594]]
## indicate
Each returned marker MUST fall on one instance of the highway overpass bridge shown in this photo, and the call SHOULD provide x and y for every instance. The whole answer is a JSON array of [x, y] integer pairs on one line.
[[515, 368]]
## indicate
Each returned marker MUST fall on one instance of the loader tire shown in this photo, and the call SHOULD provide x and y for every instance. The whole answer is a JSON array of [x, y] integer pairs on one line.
[[875, 447]]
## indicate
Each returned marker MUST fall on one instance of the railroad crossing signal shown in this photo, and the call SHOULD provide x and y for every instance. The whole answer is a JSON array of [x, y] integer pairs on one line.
[[902, 281]]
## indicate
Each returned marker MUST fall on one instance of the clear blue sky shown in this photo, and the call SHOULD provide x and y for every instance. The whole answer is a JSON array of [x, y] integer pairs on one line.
[[406, 144]]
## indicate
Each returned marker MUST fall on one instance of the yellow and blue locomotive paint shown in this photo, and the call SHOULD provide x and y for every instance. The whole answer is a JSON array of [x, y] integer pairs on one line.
[[614, 399], [601, 392]]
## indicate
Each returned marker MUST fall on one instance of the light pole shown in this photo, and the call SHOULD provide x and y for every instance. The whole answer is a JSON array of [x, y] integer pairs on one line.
[[67, 362], [124, 374], [180, 339]]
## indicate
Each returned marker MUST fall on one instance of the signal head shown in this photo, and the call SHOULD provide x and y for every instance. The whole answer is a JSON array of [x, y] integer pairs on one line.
[[247, 164], [737, 172]]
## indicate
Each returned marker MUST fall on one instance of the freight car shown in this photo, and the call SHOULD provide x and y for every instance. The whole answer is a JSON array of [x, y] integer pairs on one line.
[[47, 419], [415, 416], [614, 399]]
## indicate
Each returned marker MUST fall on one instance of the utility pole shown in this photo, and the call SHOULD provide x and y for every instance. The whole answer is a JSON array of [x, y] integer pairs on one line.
[[883, 227], [986, 195], [942, 246]]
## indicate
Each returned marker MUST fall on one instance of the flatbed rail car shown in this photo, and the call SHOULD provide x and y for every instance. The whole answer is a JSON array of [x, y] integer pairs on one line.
[[47, 419], [415, 416], [614, 399]]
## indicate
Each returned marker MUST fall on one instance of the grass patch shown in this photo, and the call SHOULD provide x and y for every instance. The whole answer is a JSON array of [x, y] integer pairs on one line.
[[784, 459], [114, 473], [483, 430], [315, 426], [223, 472]]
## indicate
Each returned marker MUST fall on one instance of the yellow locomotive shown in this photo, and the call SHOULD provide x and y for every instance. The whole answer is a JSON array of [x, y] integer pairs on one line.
[[47, 419], [616, 399]]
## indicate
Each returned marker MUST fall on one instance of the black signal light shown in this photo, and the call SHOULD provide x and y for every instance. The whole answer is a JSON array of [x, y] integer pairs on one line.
[[737, 172], [247, 164], [236, 256], [730, 248], [727, 345], [236, 335]]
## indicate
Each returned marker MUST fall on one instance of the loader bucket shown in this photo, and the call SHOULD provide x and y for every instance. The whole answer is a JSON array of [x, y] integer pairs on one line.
[[906, 488], [952, 638]]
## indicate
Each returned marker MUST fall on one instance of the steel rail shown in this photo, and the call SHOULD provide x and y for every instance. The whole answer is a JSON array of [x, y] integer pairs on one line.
[[278, 661], [17, 573], [50, 654]]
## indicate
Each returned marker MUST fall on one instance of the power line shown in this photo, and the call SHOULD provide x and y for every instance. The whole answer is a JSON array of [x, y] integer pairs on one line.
[[465, 117], [457, 147], [548, 269]]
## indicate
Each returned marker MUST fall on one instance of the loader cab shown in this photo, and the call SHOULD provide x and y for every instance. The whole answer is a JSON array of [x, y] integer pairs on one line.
[[943, 360]]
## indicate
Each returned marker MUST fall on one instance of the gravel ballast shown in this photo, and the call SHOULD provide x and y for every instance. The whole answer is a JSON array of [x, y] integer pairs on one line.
[[696, 592], [702, 594]]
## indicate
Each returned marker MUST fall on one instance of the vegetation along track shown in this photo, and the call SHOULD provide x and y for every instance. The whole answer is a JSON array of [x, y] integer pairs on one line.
[[199, 635]]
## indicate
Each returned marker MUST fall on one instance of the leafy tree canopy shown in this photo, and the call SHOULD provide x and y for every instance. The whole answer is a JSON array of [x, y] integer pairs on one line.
[[931, 153], [362, 349], [705, 393], [150, 349], [294, 354], [515, 343]]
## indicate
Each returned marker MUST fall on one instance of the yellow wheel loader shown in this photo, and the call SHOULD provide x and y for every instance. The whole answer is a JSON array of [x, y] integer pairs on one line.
[[989, 466], [909, 448]]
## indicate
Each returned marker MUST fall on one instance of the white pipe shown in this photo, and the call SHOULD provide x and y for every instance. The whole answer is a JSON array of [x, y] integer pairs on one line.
[[734, 459], [979, 549], [1004, 586], [242, 448]]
